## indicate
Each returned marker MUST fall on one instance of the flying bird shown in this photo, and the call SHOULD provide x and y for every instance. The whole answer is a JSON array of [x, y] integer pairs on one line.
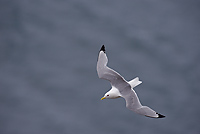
[[122, 88]]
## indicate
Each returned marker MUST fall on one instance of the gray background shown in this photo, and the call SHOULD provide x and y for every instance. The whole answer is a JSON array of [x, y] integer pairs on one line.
[[48, 55]]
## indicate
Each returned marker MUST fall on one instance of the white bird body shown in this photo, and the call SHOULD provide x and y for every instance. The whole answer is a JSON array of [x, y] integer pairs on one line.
[[122, 88]]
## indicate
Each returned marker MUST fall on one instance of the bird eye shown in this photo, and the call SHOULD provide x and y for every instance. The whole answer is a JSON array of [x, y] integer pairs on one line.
[[107, 95]]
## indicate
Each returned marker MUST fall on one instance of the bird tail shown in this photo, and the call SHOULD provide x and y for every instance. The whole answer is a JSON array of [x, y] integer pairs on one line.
[[135, 82]]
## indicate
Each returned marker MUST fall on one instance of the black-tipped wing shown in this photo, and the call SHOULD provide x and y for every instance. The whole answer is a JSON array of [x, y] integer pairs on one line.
[[103, 49], [109, 74], [133, 103]]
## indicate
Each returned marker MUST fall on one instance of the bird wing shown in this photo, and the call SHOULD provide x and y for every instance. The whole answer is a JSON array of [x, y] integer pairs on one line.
[[133, 103], [104, 72]]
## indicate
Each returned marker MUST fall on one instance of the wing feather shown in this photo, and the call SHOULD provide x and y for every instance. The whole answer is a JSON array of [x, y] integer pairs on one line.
[[104, 72]]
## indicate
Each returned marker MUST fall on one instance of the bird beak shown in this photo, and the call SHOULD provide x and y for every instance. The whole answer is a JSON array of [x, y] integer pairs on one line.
[[103, 98]]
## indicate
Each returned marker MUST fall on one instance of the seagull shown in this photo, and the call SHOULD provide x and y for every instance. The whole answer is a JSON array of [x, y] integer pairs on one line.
[[122, 88]]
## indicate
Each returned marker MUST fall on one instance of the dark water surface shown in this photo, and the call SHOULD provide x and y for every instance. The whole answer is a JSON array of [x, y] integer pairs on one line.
[[48, 55]]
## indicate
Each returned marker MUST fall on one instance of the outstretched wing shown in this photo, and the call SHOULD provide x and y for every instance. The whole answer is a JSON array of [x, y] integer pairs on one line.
[[133, 103], [109, 74]]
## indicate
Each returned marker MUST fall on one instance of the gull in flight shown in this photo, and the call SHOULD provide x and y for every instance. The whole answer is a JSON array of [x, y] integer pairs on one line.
[[122, 88]]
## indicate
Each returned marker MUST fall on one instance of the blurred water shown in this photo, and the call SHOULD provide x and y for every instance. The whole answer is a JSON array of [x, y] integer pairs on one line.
[[48, 55]]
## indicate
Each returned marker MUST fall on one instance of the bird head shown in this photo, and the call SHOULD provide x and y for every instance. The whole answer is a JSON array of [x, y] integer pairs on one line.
[[110, 95]]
